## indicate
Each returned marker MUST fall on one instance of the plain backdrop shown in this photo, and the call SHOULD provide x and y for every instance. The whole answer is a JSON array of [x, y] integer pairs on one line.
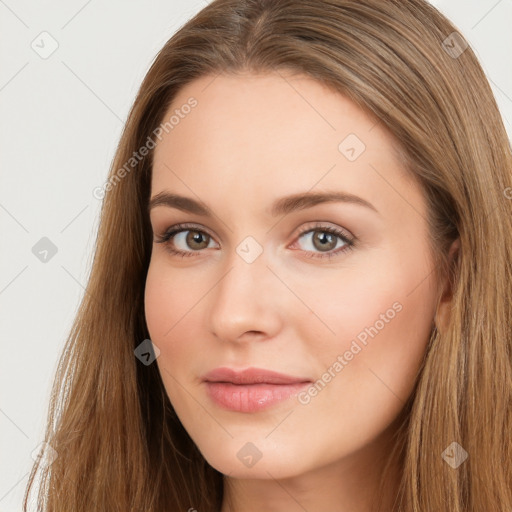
[[61, 116]]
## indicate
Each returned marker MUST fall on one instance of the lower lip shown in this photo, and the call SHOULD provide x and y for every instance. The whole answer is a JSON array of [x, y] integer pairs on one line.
[[251, 397]]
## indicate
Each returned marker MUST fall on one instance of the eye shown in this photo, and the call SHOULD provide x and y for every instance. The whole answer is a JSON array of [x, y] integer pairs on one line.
[[185, 237], [325, 241], [321, 241]]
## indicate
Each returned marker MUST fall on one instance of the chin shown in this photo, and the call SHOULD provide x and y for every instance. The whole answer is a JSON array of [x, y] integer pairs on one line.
[[260, 459]]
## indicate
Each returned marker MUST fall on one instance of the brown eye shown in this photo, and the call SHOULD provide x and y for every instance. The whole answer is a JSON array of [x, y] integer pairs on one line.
[[321, 241], [186, 240], [197, 240], [324, 241]]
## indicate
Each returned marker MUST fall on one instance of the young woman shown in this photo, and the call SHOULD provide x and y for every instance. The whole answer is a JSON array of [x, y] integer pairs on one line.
[[301, 294]]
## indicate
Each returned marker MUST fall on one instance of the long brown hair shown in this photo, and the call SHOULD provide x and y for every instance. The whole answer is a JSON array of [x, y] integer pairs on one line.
[[118, 442]]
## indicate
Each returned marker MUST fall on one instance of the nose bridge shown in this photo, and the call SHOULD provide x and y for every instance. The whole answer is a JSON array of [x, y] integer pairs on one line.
[[244, 298]]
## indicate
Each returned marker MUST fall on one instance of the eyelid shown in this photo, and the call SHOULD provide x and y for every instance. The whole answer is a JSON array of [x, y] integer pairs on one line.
[[184, 226], [348, 239], [319, 225], [343, 234]]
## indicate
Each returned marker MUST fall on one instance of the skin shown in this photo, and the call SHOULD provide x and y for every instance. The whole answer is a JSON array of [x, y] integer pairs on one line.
[[250, 140]]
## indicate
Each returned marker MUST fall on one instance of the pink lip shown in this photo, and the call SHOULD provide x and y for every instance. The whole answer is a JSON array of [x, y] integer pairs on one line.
[[251, 390]]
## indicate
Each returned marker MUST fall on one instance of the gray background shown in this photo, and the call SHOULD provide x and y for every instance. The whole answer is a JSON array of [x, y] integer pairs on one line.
[[61, 118]]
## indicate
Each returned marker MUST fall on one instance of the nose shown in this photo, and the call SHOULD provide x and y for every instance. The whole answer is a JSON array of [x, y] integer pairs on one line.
[[245, 302]]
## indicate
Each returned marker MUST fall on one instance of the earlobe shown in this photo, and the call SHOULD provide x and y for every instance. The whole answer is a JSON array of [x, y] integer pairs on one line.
[[442, 316]]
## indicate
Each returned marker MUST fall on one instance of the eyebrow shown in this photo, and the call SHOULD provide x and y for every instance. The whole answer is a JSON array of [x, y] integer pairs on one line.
[[281, 206]]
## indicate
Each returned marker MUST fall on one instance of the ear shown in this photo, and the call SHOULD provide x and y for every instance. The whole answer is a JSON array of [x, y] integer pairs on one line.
[[442, 316]]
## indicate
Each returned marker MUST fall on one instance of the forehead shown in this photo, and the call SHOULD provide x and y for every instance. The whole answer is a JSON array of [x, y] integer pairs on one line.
[[268, 135]]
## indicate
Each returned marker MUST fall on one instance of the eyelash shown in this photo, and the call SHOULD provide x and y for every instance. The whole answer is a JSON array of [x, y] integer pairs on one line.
[[174, 230]]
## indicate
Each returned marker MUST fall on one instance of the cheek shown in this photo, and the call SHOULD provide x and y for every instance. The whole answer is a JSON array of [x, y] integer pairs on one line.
[[169, 297], [172, 310], [381, 321], [388, 295], [157, 301], [166, 302], [394, 352]]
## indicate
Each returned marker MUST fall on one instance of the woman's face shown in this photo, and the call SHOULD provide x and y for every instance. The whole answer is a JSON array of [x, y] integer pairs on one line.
[[305, 252]]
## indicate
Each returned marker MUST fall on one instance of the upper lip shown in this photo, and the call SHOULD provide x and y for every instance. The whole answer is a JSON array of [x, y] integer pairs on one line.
[[251, 376]]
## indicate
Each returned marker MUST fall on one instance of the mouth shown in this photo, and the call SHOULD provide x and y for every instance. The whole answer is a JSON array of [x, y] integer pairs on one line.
[[251, 390]]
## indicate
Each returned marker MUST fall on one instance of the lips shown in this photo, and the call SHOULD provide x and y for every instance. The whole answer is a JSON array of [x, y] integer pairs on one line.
[[251, 390], [251, 376]]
